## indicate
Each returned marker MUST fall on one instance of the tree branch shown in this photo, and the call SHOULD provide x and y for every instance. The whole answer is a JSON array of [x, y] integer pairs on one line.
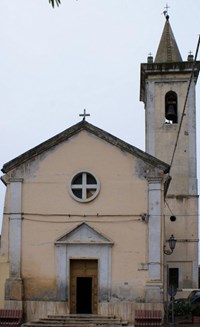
[[52, 2]]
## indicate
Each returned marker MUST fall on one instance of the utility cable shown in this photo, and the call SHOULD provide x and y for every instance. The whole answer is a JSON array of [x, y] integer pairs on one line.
[[184, 108]]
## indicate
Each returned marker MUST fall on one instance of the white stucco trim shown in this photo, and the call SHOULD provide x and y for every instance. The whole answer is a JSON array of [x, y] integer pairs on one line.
[[68, 248], [15, 228], [191, 111], [150, 118], [154, 230]]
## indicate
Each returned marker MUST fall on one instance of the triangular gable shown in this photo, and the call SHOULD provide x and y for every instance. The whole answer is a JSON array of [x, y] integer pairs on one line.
[[68, 133], [83, 234]]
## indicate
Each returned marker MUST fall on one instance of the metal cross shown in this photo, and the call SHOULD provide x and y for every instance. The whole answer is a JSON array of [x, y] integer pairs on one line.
[[84, 114], [166, 8], [165, 12]]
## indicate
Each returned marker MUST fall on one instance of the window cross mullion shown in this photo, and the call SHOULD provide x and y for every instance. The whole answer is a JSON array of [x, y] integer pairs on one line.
[[77, 186], [84, 188], [89, 186]]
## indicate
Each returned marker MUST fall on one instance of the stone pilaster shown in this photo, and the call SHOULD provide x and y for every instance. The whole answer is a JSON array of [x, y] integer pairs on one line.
[[14, 285], [154, 284]]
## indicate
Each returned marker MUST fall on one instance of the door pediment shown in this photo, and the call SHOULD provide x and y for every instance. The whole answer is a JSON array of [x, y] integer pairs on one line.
[[83, 234]]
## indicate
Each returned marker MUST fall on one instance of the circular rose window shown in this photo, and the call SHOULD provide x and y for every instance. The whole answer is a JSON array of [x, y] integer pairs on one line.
[[84, 186]]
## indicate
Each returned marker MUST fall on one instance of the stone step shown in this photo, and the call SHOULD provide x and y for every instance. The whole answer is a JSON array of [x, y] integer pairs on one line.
[[83, 320], [85, 324], [82, 316], [73, 325], [80, 321]]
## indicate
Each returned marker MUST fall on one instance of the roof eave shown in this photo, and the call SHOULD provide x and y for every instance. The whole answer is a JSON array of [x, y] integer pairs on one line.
[[68, 133]]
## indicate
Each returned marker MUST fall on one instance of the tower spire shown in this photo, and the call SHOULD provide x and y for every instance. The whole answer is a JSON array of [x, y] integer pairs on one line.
[[167, 50]]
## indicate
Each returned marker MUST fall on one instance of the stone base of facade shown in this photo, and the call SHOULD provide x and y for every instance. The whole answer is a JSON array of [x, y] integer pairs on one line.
[[13, 304], [124, 310], [154, 293], [14, 289], [34, 310]]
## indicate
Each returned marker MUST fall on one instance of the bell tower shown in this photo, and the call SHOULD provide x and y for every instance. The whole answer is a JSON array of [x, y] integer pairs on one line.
[[168, 92]]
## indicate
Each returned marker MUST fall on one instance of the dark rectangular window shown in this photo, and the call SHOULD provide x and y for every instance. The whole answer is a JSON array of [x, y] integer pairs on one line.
[[174, 277]]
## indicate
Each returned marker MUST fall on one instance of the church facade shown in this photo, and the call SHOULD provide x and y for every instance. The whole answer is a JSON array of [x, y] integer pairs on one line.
[[85, 218]]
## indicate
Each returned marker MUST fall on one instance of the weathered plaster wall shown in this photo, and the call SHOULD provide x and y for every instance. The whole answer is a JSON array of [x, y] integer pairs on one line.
[[4, 272], [161, 137], [115, 171]]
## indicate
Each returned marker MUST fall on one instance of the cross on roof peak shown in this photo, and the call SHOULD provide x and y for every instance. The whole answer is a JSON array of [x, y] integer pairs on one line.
[[84, 114]]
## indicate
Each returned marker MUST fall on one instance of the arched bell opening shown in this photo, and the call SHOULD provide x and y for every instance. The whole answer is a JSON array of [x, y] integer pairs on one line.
[[171, 107]]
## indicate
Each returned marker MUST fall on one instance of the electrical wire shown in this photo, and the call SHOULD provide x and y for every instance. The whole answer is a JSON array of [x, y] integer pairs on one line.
[[183, 113], [185, 103]]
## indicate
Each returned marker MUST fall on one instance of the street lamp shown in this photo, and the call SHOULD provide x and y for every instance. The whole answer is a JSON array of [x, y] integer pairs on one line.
[[172, 244]]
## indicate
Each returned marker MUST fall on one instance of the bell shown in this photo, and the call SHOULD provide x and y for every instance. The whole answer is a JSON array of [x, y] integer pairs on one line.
[[170, 113]]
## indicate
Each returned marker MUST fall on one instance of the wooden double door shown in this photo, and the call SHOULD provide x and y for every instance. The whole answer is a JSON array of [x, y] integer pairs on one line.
[[83, 286]]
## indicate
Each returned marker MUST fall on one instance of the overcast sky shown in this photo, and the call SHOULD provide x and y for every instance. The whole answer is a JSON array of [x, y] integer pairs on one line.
[[84, 54]]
